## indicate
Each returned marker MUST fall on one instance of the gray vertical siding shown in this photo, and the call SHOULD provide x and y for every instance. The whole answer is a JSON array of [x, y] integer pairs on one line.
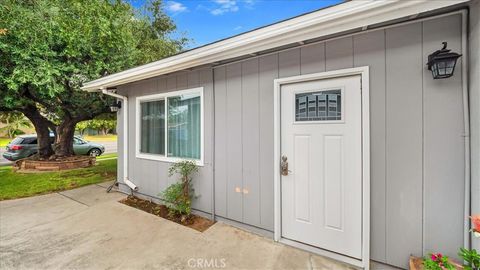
[[474, 96], [339, 54], [404, 107], [443, 141], [251, 141], [369, 50], [312, 58], [233, 134], [220, 142], [416, 135], [267, 73], [417, 158], [152, 176]]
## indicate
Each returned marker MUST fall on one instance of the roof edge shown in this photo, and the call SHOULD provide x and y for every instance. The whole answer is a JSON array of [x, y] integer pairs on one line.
[[335, 19]]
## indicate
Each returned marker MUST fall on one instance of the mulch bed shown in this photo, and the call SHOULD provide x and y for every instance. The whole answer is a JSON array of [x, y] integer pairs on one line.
[[416, 263], [195, 222]]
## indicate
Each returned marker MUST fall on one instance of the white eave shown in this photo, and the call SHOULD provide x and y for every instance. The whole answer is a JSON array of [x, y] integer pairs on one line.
[[336, 19]]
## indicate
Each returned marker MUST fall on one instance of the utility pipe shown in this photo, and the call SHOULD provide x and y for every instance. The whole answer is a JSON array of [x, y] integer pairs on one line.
[[124, 99], [466, 132]]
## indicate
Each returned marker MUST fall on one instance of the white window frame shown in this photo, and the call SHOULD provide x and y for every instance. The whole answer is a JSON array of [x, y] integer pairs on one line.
[[164, 96]]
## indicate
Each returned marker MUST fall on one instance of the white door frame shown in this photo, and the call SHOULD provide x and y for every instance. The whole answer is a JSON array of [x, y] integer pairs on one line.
[[364, 73]]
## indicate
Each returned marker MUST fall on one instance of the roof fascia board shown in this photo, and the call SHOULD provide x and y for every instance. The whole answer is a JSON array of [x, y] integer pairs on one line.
[[340, 18]]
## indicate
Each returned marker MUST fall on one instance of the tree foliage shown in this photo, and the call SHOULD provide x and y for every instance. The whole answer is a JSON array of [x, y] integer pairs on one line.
[[178, 196], [103, 123], [48, 48], [13, 123]]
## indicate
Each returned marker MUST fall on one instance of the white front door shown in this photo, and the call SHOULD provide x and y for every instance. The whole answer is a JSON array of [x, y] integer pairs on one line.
[[321, 139]]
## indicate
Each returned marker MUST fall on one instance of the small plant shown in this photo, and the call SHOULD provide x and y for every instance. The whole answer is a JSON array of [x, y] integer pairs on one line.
[[437, 261], [178, 196], [175, 201], [471, 257]]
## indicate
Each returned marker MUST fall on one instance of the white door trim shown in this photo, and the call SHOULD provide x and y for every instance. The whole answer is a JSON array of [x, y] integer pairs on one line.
[[364, 73]]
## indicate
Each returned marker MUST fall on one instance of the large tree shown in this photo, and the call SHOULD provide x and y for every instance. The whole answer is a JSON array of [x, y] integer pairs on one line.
[[48, 48]]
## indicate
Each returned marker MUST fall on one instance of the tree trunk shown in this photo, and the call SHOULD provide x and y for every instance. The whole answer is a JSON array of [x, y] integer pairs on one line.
[[64, 139], [41, 125], [186, 187], [9, 130]]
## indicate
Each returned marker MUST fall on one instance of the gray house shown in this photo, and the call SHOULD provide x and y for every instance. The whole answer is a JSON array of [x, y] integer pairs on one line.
[[327, 131]]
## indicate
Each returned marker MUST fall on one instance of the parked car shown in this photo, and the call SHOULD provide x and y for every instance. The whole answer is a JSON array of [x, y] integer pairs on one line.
[[26, 145]]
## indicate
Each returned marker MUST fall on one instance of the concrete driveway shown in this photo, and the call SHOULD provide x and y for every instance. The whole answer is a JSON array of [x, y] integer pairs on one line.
[[87, 228]]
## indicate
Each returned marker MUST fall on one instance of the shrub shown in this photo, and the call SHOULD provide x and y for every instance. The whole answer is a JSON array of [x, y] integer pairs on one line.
[[174, 200], [471, 257], [437, 261], [178, 196]]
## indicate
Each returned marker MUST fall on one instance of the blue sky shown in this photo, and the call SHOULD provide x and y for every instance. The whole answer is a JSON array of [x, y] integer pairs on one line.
[[207, 21]]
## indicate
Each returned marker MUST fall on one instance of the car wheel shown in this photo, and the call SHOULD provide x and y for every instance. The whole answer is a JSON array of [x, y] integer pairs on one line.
[[95, 152]]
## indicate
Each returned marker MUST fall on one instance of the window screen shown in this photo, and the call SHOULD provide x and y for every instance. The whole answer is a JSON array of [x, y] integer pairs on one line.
[[152, 127], [181, 135], [184, 127]]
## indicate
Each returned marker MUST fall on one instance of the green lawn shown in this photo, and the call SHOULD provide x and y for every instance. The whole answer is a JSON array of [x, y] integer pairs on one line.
[[4, 141], [101, 138], [18, 185], [107, 156]]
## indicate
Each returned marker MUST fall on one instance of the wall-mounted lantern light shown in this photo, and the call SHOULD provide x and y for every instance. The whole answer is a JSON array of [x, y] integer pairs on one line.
[[442, 62], [115, 106]]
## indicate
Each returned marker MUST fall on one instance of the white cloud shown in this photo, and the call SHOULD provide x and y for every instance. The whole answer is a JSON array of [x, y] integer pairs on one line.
[[238, 28], [224, 6], [175, 7], [249, 3]]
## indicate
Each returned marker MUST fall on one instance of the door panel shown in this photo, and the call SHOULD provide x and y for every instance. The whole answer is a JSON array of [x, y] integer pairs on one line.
[[333, 168], [302, 183], [321, 138]]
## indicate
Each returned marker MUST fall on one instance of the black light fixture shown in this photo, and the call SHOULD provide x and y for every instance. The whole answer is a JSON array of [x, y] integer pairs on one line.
[[442, 62], [115, 106]]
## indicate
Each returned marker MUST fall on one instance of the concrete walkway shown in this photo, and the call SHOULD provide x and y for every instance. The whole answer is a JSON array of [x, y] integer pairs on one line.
[[87, 228]]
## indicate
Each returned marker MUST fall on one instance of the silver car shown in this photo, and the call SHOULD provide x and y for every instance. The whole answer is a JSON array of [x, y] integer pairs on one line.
[[26, 145]]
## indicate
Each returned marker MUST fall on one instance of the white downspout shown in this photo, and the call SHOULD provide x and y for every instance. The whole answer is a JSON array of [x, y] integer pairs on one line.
[[125, 136], [466, 124]]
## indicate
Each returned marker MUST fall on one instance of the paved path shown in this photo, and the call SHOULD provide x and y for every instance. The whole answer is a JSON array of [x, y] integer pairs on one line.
[[86, 228], [110, 147]]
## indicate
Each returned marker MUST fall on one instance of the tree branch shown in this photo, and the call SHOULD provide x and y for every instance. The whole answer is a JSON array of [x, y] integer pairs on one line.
[[29, 94], [89, 116]]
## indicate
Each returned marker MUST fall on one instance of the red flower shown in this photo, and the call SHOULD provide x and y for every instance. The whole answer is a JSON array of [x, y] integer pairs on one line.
[[436, 256], [476, 223]]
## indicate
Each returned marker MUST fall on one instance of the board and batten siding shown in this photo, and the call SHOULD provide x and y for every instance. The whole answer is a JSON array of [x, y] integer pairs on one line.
[[417, 144], [417, 151], [151, 176]]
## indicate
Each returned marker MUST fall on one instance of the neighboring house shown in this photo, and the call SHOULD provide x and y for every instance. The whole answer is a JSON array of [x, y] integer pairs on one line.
[[378, 152]]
